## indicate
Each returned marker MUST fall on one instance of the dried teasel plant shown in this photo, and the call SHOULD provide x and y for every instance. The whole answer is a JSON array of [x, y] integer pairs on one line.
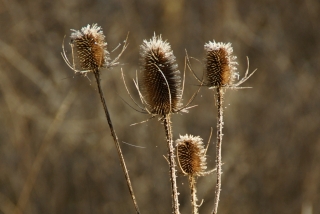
[[89, 50], [220, 65], [192, 160], [161, 95], [191, 155], [220, 72], [162, 86], [90, 54], [161, 77]]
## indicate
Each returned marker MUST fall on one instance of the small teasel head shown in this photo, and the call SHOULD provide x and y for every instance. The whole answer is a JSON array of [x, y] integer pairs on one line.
[[220, 64], [161, 77], [90, 47], [191, 155]]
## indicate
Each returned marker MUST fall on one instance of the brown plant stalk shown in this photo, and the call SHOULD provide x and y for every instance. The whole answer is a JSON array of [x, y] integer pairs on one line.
[[220, 68], [193, 193], [162, 94], [90, 55], [219, 96], [220, 72], [172, 163], [116, 141]]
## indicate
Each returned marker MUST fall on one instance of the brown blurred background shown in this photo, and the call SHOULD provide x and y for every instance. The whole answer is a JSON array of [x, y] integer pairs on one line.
[[56, 152]]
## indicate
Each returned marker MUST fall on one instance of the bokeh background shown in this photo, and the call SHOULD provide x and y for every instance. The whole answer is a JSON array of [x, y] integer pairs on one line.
[[56, 151]]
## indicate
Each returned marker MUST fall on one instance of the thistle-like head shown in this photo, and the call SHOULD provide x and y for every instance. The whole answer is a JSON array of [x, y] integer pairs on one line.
[[90, 48], [161, 77], [220, 64], [191, 155]]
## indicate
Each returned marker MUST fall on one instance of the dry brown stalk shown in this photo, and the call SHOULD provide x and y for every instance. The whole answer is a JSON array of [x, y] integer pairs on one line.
[[163, 93], [89, 53], [220, 68], [219, 104], [172, 164]]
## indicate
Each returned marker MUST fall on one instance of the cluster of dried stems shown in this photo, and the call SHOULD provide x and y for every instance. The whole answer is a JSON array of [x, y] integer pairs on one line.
[[161, 95]]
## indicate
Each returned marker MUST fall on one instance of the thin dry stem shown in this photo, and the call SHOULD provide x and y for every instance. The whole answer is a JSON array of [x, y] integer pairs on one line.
[[184, 76], [142, 99], [116, 142], [124, 47], [190, 68], [211, 130], [172, 164], [144, 121], [193, 192], [220, 93], [209, 172], [122, 75]]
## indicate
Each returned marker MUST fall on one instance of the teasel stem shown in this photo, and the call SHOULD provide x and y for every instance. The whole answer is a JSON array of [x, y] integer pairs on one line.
[[193, 192], [220, 67], [90, 51], [116, 141], [219, 97], [172, 164]]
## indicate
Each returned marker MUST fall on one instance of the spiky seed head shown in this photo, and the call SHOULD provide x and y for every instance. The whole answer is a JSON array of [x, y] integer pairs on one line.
[[161, 77], [220, 64], [191, 155], [90, 48]]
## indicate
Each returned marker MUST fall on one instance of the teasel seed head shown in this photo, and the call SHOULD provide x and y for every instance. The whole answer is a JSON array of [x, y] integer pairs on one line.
[[191, 155], [161, 77], [90, 48], [220, 64]]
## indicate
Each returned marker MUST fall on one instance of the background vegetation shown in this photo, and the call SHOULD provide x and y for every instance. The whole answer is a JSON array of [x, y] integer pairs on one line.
[[271, 145]]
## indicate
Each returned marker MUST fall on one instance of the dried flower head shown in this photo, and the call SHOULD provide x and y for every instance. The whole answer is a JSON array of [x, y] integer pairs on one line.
[[191, 155], [161, 77], [220, 64], [90, 48], [89, 51]]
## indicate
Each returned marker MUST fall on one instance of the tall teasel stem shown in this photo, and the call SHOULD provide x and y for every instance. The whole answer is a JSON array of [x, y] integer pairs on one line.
[[116, 141], [220, 74], [162, 94], [219, 97], [172, 163], [193, 193], [90, 55]]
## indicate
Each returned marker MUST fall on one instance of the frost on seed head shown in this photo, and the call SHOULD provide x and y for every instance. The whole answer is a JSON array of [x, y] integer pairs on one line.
[[90, 51], [161, 77], [220, 64], [191, 155]]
